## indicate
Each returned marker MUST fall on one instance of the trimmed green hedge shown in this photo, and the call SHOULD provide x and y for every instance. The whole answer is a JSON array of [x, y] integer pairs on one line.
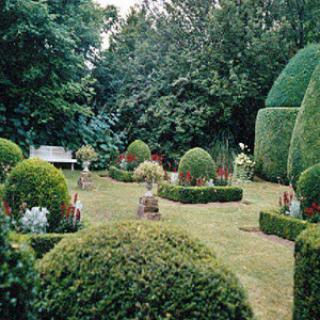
[[135, 270], [40, 243], [199, 194], [121, 175], [290, 87], [307, 276], [199, 164], [272, 222], [305, 144], [274, 128]]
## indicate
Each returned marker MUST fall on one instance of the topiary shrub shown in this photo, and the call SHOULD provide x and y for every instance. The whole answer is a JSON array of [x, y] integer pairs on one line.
[[199, 164], [38, 184], [274, 128], [290, 87], [305, 143], [121, 175], [307, 276], [137, 271], [18, 279], [140, 151], [308, 187], [10, 155]]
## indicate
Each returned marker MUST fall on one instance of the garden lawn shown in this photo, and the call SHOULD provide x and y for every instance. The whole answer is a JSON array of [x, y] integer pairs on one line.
[[264, 266]]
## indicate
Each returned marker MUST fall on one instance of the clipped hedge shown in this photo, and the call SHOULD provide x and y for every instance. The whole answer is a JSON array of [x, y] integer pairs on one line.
[[140, 150], [18, 279], [286, 227], [308, 186], [10, 155], [307, 276], [199, 164], [38, 184], [274, 128], [121, 175], [290, 87], [305, 143], [137, 270], [199, 194]]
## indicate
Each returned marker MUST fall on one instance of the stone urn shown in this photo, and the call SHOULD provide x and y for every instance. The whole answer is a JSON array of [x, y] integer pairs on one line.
[[86, 165], [149, 186]]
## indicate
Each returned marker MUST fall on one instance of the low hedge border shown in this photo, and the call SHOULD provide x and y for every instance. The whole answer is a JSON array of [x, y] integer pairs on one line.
[[307, 275], [40, 243], [272, 222], [121, 175], [199, 194]]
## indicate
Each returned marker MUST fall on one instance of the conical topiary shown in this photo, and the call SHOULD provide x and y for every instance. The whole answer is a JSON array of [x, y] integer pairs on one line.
[[290, 87], [305, 143]]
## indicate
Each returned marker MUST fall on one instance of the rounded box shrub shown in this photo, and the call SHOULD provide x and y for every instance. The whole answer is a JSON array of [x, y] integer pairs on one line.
[[308, 186], [10, 155], [199, 164], [140, 151], [18, 279], [305, 143], [291, 85], [137, 271], [38, 184], [307, 275], [274, 128]]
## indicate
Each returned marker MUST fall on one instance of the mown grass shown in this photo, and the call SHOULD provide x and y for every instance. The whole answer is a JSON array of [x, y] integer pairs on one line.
[[264, 267]]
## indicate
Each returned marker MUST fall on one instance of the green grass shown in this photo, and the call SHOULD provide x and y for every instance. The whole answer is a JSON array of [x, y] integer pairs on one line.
[[264, 267]]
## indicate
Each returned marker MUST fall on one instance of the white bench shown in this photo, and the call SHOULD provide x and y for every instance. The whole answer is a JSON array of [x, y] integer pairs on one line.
[[53, 154]]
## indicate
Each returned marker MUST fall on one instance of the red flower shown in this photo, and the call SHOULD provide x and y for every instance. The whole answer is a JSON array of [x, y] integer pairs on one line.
[[78, 215], [226, 173], [181, 175], [188, 176], [75, 198], [7, 208], [309, 212], [131, 158]]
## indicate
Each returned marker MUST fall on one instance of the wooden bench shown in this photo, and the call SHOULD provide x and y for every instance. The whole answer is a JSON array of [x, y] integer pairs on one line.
[[53, 154]]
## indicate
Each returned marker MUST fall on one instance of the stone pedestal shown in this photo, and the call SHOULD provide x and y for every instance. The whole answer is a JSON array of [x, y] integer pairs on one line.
[[149, 209], [85, 180]]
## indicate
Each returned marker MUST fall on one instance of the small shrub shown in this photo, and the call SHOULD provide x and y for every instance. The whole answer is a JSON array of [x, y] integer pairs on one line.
[[37, 183], [121, 175], [198, 164], [137, 271], [274, 127], [199, 194], [308, 187], [244, 165], [18, 279], [140, 151], [272, 222], [10, 155], [35, 220], [307, 276]]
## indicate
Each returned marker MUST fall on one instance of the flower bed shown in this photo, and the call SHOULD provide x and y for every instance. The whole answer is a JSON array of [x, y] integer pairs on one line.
[[272, 222], [199, 194], [121, 175]]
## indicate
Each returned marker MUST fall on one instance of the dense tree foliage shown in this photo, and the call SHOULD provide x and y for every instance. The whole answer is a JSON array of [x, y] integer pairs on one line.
[[45, 79], [187, 72]]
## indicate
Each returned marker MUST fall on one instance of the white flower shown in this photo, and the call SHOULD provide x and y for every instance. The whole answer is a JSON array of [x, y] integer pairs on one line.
[[35, 220], [241, 145]]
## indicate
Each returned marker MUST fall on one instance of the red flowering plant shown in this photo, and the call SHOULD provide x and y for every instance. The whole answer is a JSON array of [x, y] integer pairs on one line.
[[223, 176], [285, 201], [71, 216], [312, 213], [126, 161], [157, 158]]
